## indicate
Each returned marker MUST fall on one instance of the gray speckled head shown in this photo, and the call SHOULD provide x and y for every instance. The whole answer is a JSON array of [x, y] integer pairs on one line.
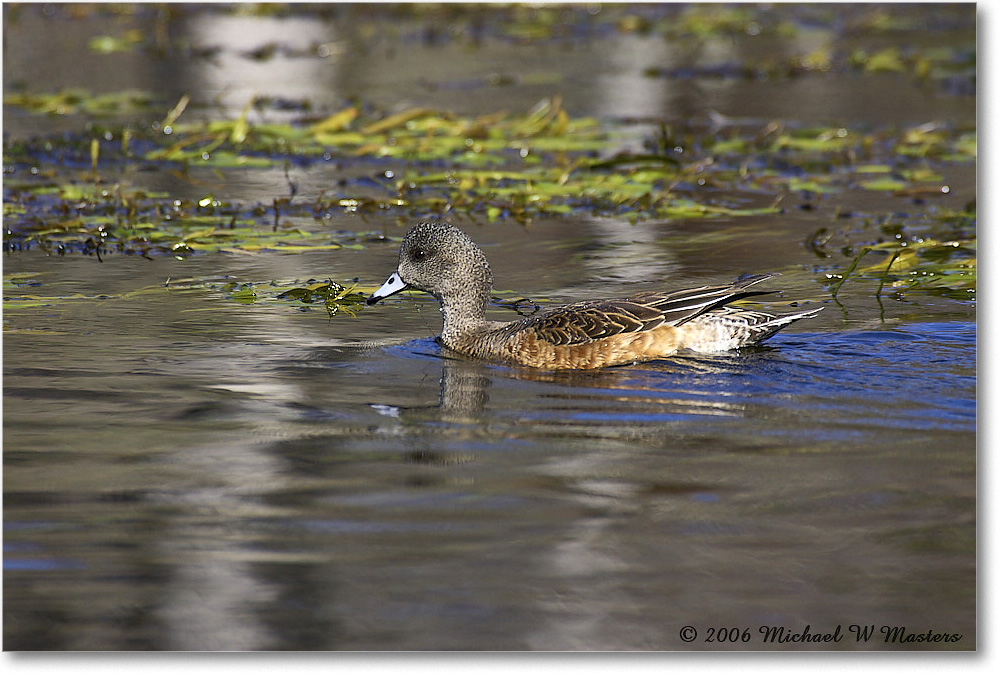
[[442, 260]]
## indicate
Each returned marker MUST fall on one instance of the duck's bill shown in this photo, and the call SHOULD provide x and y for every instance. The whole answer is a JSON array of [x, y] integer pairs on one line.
[[394, 284]]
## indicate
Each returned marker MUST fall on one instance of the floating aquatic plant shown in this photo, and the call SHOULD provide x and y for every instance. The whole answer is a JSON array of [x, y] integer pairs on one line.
[[335, 298], [938, 256], [82, 102], [99, 220], [543, 162]]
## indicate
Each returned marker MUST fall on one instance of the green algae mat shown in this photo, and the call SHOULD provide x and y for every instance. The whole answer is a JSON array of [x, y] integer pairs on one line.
[[69, 193]]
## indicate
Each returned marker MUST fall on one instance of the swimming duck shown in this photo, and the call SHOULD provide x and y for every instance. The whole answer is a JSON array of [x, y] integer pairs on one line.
[[440, 259]]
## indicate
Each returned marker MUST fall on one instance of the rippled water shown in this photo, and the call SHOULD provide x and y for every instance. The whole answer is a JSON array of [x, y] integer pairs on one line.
[[185, 472], [182, 472]]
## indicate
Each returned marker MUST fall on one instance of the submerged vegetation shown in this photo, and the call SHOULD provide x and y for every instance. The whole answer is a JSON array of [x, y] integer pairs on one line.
[[76, 193]]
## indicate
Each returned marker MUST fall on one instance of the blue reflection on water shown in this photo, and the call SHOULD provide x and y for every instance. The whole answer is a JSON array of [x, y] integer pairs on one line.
[[39, 564]]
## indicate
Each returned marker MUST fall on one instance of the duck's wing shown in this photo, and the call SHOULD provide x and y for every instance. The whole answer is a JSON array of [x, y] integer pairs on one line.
[[593, 320], [584, 322]]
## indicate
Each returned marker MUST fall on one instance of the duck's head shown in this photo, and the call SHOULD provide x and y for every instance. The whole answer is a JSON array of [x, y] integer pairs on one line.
[[439, 259]]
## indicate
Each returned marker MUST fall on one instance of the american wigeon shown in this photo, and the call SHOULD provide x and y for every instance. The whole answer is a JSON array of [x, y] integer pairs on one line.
[[442, 260]]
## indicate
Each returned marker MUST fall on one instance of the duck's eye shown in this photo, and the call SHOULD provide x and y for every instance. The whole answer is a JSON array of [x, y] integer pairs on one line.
[[419, 254]]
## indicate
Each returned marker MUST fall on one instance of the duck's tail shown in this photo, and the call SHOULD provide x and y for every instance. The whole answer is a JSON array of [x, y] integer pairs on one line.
[[678, 307], [749, 327]]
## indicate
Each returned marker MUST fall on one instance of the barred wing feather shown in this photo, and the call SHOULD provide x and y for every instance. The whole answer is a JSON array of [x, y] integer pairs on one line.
[[584, 322]]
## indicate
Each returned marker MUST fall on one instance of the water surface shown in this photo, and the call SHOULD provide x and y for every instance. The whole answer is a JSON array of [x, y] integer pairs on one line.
[[186, 473]]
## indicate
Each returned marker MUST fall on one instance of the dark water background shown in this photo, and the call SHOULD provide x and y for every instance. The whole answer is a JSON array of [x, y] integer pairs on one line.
[[185, 472]]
